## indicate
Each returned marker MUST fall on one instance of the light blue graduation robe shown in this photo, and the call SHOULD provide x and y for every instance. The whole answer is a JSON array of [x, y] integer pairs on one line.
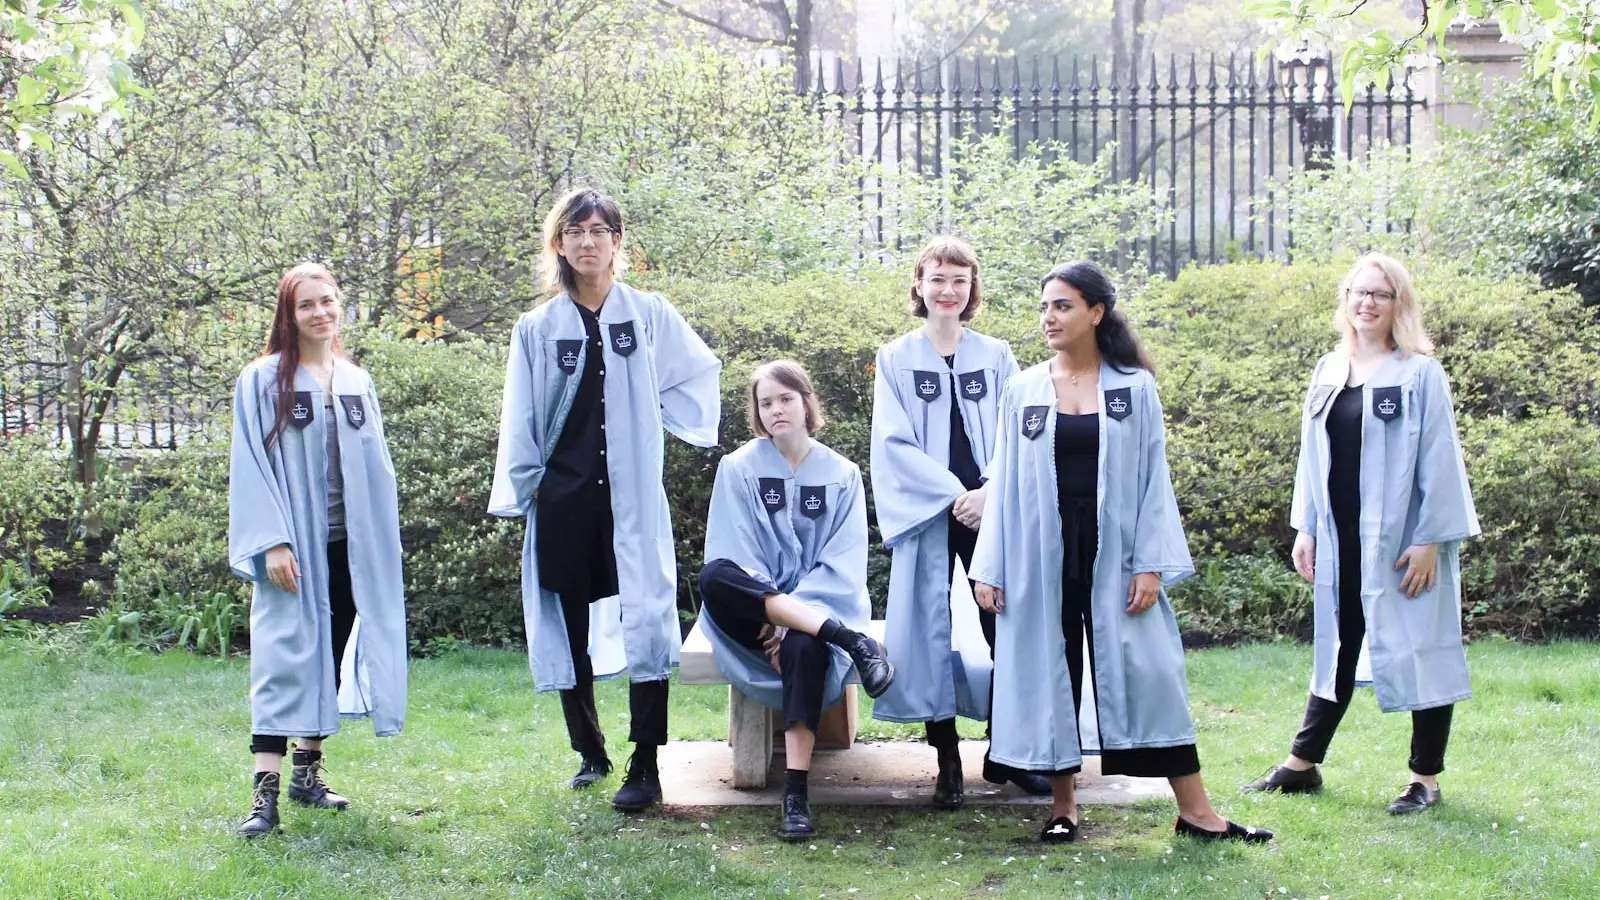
[[941, 660], [805, 531], [1141, 689], [279, 495], [658, 372], [1413, 491]]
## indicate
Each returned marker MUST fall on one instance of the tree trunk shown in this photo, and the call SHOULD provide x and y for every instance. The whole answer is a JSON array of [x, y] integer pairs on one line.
[[800, 44]]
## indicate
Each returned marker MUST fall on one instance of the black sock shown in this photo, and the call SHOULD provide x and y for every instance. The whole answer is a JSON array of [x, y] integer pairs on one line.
[[794, 782], [837, 633]]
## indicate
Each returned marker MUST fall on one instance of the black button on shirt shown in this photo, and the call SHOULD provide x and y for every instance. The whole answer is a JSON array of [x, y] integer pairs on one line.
[[579, 459]]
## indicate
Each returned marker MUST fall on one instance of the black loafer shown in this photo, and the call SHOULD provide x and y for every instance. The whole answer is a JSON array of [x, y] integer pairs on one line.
[[1286, 781], [1029, 782], [592, 771], [1417, 798], [949, 789], [872, 665], [796, 824], [1234, 832], [641, 789], [1060, 830]]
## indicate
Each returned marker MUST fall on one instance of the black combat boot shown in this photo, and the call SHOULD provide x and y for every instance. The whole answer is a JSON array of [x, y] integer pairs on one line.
[[263, 818], [306, 786]]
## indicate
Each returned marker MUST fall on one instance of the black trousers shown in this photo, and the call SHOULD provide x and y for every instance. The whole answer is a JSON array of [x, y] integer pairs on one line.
[[342, 609], [1430, 728], [962, 541], [647, 700], [1077, 626], [735, 600]]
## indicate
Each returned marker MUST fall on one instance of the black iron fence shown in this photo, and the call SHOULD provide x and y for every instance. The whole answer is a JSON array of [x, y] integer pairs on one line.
[[1212, 137]]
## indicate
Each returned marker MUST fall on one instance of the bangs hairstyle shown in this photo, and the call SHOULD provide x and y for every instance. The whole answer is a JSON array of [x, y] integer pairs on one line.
[[793, 376], [1407, 331], [952, 251], [556, 274]]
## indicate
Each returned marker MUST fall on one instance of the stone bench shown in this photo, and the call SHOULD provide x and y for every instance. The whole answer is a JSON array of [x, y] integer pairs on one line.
[[752, 727]]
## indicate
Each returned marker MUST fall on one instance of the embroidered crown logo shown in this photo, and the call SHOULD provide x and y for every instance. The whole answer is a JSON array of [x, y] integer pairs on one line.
[[1032, 422], [624, 340], [813, 502], [1117, 405], [927, 386], [299, 411], [1386, 406], [974, 387], [357, 415], [569, 359], [772, 497]]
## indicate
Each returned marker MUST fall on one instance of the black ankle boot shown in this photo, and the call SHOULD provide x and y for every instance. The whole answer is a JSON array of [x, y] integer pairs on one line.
[[949, 789], [872, 664], [1030, 782], [796, 824], [590, 772], [263, 818], [306, 786], [642, 788]]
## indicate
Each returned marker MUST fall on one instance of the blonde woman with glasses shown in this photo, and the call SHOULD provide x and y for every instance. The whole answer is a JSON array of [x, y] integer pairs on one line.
[[1381, 504]]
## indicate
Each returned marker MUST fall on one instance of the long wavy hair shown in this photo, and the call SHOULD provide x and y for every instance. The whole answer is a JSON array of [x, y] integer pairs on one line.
[[1118, 345], [1407, 331], [284, 338]]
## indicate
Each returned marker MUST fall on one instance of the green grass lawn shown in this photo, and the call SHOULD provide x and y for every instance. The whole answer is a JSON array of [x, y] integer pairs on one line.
[[124, 775]]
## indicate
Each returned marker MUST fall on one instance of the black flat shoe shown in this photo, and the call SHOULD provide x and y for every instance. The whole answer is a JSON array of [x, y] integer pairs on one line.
[[1060, 830], [1286, 781], [592, 771], [641, 789], [1416, 799], [949, 789], [872, 665], [1234, 832], [796, 824], [1029, 782]]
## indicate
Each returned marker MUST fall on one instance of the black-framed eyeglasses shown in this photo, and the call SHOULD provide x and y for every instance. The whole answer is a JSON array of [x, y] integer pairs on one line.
[[598, 232], [1359, 294]]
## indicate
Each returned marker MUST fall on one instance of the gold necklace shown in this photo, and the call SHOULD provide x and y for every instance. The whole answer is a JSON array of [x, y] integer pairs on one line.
[[1073, 376]]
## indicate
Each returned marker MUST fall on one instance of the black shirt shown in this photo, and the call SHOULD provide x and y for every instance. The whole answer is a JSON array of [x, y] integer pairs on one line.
[[1077, 477], [1344, 457], [578, 464], [962, 463]]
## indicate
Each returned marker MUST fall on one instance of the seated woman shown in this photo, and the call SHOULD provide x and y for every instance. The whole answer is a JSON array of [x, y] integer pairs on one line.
[[786, 573]]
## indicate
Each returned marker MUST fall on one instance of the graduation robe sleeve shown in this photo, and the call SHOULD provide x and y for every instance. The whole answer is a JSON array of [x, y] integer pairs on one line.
[[911, 488], [732, 532], [1445, 510], [520, 462], [688, 375], [258, 513], [1158, 541]]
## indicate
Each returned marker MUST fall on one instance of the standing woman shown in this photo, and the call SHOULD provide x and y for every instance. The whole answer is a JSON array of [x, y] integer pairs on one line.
[[1080, 538], [1381, 504], [314, 525], [785, 580], [935, 400], [592, 377]]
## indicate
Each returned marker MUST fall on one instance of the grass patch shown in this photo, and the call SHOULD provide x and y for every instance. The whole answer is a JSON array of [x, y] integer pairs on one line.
[[124, 775]]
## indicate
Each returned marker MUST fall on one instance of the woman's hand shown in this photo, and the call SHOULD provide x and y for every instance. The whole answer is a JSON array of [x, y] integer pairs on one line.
[[772, 642], [1304, 555], [1143, 592], [1421, 562], [990, 598], [968, 508], [283, 569]]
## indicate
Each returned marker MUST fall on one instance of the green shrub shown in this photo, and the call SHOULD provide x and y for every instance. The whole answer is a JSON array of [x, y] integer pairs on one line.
[[176, 544], [1250, 596], [37, 494]]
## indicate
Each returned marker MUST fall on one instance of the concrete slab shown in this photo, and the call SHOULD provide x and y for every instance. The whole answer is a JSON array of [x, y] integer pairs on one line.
[[874, 773]]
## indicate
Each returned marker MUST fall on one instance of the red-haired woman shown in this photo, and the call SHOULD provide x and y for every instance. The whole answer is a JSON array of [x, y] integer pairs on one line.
[[314, 525]]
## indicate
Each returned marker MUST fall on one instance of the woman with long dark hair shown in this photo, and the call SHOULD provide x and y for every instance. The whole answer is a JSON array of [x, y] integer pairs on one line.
[[934, 405], [314, 525], [1381, 506], [1080, 539]]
